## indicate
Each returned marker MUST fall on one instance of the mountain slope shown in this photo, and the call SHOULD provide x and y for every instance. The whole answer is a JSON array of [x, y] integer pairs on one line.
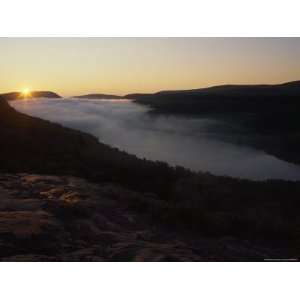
[[263, 116], [225, 99]]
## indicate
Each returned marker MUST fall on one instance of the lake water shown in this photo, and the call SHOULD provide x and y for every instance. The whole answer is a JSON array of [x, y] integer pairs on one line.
[[194, 143]]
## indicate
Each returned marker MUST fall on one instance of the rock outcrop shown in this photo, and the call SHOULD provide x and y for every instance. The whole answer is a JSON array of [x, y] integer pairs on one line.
[[63, 218]]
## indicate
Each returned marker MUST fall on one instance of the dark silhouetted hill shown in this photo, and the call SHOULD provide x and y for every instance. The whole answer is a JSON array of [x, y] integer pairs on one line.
[[99, 96], [34, 94], [225, 99], [268, 115]]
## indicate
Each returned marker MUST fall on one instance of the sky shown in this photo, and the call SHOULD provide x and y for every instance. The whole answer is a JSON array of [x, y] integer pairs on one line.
[[76, 66]]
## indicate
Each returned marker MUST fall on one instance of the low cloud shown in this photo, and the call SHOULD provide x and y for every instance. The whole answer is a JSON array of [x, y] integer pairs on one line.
[[189, 142]]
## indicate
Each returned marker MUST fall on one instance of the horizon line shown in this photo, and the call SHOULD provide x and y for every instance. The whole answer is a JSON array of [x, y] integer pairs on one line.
[[159, 91]]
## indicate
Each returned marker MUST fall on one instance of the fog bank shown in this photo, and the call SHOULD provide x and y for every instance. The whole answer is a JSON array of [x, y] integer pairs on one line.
[[194, 143]]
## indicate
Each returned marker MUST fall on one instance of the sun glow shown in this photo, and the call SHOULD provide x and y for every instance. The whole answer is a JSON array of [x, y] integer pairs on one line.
[[26, 93]]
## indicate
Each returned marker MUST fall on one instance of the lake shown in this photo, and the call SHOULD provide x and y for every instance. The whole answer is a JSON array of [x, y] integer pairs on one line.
[[194, 143]]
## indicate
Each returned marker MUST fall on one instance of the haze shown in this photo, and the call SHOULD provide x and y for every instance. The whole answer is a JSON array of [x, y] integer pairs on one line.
[[194, 143], [73, 66]]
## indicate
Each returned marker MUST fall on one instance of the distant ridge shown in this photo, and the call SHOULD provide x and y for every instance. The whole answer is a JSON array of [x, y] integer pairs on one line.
[[291, 88], [99, 96], [291, 83], [237, 89], [35, 94]]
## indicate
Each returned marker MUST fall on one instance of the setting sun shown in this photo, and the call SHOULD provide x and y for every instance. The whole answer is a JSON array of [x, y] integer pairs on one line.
[[26, 92]]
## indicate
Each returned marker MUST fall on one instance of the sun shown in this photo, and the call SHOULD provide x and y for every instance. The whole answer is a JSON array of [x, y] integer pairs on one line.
[[26, 93]]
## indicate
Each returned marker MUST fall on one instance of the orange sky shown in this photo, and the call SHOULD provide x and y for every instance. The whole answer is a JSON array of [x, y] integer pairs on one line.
[[73, 66]]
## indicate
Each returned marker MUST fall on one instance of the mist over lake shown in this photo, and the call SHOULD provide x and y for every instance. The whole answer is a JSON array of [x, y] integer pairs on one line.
[[194, 143]]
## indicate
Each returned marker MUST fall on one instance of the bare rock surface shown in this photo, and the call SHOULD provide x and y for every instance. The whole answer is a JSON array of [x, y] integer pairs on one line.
[[63, 218]]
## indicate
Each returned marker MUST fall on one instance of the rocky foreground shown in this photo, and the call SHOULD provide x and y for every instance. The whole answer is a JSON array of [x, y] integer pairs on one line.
[[63, 218]]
